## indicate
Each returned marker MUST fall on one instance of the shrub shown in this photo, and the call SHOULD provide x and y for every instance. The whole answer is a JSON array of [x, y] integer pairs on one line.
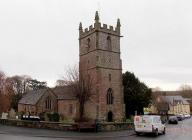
[[42, 116], [53, 117]]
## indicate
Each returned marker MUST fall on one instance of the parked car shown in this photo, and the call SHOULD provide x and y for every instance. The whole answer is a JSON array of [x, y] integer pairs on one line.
[[173, 120], [183, 116], [149, 124], [30, 118], [187, 116], [180, 117]]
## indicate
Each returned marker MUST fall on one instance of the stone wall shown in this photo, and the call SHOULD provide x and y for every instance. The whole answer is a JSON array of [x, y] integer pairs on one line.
[[68, 108], [112, 126], [100, 127], [41, 124]]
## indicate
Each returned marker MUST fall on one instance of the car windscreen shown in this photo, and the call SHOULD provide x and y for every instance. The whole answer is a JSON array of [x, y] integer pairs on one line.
[[156, 120], [144, 119]]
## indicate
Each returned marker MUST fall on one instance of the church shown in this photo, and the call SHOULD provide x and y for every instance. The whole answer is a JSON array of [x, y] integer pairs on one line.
[[99, 58]]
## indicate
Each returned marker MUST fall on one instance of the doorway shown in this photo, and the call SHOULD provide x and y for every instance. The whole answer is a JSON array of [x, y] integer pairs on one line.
[[110, 116]]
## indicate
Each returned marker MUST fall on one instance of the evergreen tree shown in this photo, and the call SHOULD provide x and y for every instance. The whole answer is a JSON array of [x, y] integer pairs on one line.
[[136, 94]]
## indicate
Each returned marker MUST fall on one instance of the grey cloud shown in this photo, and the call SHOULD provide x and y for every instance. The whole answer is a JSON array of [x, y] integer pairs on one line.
[[40, 37]]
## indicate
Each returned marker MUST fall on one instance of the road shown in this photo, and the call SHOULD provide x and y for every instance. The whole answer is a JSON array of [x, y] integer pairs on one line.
[[182, 131]]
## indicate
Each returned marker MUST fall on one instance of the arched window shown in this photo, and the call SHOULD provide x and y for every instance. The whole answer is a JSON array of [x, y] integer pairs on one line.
[[88, 44], [109, 77], [109, 47], [109, 96], [70, 109], [48, 103]]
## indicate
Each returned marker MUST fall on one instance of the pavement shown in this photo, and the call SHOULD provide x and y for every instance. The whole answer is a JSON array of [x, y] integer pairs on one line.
[[43, 133], [182, 131]]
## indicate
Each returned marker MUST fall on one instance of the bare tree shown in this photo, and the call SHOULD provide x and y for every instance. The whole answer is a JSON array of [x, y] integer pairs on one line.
[[156, 89], [6, 93], [13, 88], [185, 87], [159, 102], [20, 83], [60, 83], [186, 91], [81, 86], [2, 81]]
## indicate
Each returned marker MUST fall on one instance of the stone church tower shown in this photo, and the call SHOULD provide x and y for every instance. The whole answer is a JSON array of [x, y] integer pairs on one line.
[[99, 48]]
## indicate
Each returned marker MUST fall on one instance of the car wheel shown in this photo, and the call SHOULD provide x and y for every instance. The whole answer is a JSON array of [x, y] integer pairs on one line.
[[137, 133], [156, 132], [164, 131]]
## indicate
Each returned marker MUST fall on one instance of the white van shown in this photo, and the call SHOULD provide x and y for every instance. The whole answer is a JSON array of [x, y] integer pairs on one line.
[[149, 124]]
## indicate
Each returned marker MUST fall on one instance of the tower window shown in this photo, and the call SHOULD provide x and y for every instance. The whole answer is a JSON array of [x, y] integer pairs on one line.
[[109, 77], [109, 96], [97, 58], [109, 60], [109, 43], [88, 44]]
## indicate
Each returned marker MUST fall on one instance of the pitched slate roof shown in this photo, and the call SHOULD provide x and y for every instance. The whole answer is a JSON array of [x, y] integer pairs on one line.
[[64, 93], [174, 99], [32, 97], [167, 93]]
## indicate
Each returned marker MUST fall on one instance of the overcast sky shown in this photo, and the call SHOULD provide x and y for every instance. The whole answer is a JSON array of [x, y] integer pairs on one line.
[[40, 37]]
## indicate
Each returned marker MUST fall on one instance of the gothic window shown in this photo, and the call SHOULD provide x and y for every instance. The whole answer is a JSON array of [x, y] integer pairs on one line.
[[25, 108], [88, 76], [109, 96], [97, 89], [109, 60], [97, 58], [109, 43], [88, 44], [70, 109], [109, 77], [48, 103]]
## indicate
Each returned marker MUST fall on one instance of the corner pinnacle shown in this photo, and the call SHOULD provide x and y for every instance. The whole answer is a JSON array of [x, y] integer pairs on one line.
[[96, 16]]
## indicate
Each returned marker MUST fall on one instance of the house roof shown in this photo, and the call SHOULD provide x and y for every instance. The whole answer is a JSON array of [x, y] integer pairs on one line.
[[64, 93], [174, 99], [167, 93], [32, 97]]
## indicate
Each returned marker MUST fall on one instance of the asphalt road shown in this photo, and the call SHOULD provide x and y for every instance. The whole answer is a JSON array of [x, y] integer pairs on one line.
[[182, 131]]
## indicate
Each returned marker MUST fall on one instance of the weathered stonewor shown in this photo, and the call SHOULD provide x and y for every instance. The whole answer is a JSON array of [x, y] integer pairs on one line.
[[100, 60], [112, 126], [99, 127], [40, 124]]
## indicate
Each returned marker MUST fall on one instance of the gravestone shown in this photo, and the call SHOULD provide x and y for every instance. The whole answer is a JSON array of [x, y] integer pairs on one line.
[[4, 115], [12, 114]]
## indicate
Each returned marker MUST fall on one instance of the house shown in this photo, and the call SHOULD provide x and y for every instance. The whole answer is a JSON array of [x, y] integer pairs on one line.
[[38, 101], [177, 105], [67, 103], [58, 99], [159, 106], [170, 104]]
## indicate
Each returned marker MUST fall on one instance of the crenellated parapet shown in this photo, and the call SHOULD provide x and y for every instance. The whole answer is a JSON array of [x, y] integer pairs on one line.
[[98, 27]]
